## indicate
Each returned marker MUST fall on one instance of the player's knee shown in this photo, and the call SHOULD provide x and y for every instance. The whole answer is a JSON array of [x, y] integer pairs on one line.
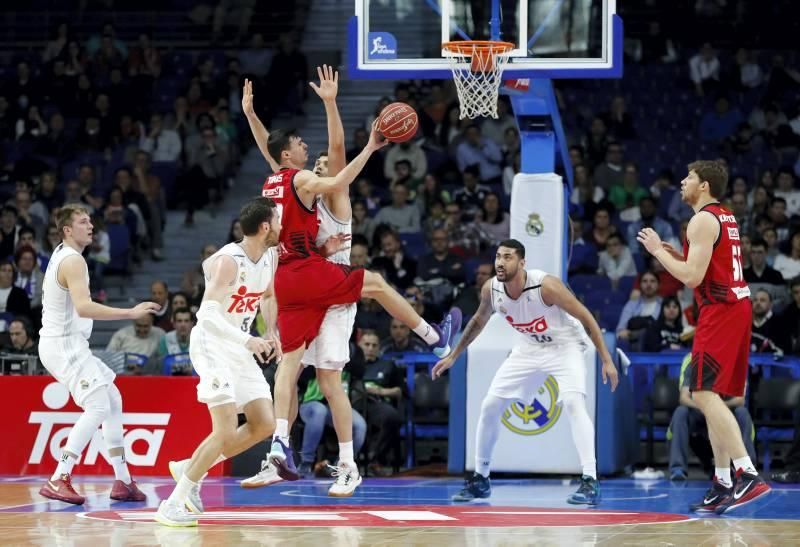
[[573, 403], [98, 405], [330, 383], [493, 405]]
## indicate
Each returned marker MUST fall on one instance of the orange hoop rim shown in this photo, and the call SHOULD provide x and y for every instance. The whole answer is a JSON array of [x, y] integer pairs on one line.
[[468, 47]]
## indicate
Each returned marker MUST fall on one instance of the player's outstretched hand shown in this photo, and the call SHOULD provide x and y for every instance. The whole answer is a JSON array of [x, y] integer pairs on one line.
[[335, 243], [609, 372], [649, 238], [439, 368], [144, 308], [328, 83], [672, 250], [247, 98], [376, 138], [262, 349]]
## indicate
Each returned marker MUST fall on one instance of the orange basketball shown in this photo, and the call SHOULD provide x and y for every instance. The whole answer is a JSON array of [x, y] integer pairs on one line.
[[398, 122]]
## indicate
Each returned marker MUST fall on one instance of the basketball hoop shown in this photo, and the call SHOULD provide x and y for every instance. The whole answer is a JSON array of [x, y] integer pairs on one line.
[[477, 69]]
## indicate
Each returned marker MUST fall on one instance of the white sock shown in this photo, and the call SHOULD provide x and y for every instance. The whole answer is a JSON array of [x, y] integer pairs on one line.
[[486, 436], [282, 430], [745, 464], [723, 476], [426, 332], [121, 472], [181, 491], [582, 431], [346, 454], [65, 465]]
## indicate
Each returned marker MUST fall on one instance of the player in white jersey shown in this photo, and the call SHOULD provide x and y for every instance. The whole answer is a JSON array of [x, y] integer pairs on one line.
[[239, 280], [329, 352], [67, 314], [552, 322]]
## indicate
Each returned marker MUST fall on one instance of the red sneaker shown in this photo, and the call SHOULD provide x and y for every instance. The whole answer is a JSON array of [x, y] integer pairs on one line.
[[747, 488], [127, 492], [61, 490]]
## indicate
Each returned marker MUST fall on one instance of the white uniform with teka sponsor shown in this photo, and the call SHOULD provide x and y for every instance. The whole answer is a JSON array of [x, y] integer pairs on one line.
[[331, 348], [551, 343], [228, 371], [64, 336]]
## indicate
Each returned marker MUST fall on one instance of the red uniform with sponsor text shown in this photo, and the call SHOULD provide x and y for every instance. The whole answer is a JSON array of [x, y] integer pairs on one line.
[[306, 284], [722, 340]]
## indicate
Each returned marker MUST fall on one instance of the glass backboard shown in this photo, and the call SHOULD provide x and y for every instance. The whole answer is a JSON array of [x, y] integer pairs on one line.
[[552, 38]]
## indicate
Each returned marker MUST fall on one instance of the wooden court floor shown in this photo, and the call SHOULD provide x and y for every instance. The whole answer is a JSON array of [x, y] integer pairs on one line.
[[396, 512]]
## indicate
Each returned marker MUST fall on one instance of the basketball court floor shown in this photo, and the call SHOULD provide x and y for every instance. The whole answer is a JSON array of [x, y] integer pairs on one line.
[[400, 512]]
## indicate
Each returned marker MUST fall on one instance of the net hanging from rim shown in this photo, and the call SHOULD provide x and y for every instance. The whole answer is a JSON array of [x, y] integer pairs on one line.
[[477, 67]]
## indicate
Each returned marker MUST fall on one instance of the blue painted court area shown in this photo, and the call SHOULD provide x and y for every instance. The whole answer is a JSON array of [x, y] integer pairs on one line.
[[656, 496]]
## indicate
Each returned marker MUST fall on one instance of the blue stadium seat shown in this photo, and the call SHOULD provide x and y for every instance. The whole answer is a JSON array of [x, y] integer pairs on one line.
[[584, 284], [625, 284], [414, 244], [609, 316]]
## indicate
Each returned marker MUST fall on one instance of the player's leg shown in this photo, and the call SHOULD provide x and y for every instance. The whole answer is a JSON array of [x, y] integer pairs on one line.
[[438, 336], [285, 384], [583, 436], [124, 488]]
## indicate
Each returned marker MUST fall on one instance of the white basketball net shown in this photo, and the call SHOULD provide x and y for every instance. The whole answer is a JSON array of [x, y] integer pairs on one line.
[[477, 75]]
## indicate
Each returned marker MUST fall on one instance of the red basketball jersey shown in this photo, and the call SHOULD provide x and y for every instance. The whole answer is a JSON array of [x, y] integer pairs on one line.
[[723, 281], [299, 224]]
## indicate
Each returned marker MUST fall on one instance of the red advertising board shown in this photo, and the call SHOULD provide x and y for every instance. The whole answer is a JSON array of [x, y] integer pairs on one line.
[[162, 421]]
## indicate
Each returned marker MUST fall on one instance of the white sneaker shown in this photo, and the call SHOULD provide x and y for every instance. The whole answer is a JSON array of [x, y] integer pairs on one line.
[[267, 476], [347, 480], [193, 501], [172, 514]]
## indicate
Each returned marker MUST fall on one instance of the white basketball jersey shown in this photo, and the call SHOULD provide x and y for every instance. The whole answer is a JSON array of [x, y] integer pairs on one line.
[[330, 225], [59, 316], [539, 324], [252, 279]]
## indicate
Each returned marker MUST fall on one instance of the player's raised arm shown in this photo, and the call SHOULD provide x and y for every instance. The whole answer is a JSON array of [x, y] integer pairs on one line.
[[308, 182], [702, 232], [554, 293], [72, 274], [260, 133], [471, 331], [327, 90]]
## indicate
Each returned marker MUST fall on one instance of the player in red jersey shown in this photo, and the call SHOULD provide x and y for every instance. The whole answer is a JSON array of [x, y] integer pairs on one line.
[[711, 264], [306, 284]]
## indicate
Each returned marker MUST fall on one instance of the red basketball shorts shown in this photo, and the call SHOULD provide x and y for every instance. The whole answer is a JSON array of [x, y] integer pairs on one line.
[[721, 348], [305, 289]]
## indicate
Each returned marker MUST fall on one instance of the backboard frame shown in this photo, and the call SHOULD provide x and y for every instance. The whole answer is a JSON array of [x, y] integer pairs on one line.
[[520, 66]]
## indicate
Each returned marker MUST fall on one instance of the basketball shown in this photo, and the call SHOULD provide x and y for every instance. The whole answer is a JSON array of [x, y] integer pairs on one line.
[[398, 122]]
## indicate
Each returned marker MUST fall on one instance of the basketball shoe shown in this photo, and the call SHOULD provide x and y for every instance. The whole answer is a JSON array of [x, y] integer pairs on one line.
[[447, 330], [61, 490], [588, 492], [267, 476], [126, 492], [282, 457], [174, 514], [347, 480], [712, 499], [748, 487], [193, 501], [475, 487]]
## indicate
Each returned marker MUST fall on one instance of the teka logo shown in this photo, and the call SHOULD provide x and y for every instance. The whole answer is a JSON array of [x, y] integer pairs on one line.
[[276, 192], [55, 426], [536, 326], [243, 301]]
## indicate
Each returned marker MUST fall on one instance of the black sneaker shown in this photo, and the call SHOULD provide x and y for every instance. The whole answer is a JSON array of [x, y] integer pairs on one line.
[[748, 488], [714, 496], [475, 487], [588, 492]]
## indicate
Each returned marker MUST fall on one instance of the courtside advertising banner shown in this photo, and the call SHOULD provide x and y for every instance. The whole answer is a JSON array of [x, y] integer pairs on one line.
[[537, 220], [162, 421], [535, 435]]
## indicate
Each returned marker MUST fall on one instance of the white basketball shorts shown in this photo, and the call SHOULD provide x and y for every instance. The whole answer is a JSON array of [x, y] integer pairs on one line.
[[70, 361], [526, 369], [331, 348], [228, 372]]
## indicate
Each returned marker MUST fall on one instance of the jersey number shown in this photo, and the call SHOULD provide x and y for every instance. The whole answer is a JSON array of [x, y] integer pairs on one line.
[[737, 263], [246, 325], [542, 338]]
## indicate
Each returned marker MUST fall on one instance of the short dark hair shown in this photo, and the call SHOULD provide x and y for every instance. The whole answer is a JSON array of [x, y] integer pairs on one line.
[[473, 170], [650, 272], [518, 247], [714, 173], [617, 236], [184, 310], [279, 141], [254, 212], [777, 199]]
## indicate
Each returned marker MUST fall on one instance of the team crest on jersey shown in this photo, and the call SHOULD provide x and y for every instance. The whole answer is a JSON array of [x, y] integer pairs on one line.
[[242, 276], [534, 227], [536, 326], [243, 301], [538, 416]]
